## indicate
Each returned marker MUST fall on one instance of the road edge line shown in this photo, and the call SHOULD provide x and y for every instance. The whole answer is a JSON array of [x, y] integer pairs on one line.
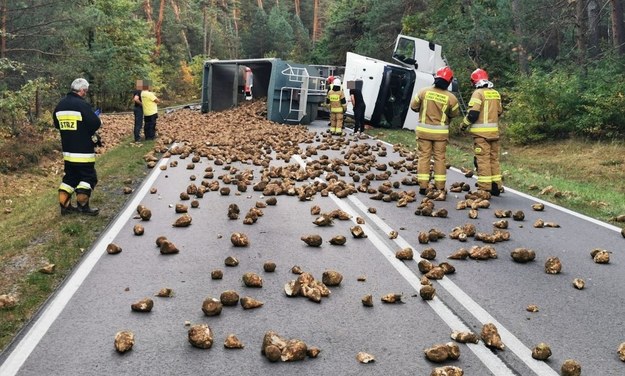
[[25, 346]]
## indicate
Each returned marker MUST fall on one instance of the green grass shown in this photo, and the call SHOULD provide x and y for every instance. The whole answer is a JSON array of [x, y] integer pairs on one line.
[[47, 237]]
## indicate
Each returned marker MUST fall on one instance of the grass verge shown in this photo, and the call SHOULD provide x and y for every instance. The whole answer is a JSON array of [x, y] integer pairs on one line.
[[39, 235], [580, 175]]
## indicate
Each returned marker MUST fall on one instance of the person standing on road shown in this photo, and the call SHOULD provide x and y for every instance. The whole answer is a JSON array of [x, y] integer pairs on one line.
[[329, 82], [138, 110], [150, 111], [436, 106], [249, 83], [482, 120], [78, 123], [359, 106], [338, 105]]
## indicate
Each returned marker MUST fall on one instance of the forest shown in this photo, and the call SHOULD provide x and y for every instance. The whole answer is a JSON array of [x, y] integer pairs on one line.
[[558, 63]]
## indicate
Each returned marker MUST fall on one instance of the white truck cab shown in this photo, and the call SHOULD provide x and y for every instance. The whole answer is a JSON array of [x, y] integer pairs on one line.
[[387, 88]]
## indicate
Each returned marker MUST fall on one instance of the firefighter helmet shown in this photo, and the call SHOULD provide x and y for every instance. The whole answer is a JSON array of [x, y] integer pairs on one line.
[[330, 79], [478, 76], [336, 82], [445, 73]]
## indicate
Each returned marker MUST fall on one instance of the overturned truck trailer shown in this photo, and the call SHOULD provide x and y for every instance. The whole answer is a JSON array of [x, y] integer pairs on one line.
[[292, 91]]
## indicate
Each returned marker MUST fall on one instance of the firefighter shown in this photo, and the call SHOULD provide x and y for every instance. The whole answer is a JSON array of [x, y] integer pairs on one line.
[[335, 100], [78, 124], [328, 86], [436, 106], [483, 123], [329, 82]]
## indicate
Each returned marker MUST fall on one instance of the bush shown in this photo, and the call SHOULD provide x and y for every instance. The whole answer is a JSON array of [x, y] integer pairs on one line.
[[544, 106], [568, 101], [26, 149], [603, 101]]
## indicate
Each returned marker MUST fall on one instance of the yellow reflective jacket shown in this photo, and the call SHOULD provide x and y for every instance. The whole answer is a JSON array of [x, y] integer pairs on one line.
[[336, 100], [488, 103], [436, 107]]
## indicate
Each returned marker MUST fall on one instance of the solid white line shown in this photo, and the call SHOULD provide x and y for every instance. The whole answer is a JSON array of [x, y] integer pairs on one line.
[[546, 203], [490, 360], [33, 336], [511, 341]]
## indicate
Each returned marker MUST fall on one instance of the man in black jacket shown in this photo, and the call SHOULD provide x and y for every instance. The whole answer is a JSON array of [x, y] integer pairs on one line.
[[78, 124]]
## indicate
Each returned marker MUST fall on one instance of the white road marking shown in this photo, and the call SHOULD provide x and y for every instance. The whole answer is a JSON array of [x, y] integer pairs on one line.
[[490, 360], [509, 339], [31, 339]]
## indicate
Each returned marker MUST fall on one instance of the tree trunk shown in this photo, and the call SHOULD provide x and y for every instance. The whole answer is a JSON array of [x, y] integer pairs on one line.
[[235, 21], [176, 9], [593, 28], [297, 8], [204, 29], [519, 31], [37, 103], [618, 30], [147, 8], [260, 3], [316, 29], [3, 29], [159, 25], [580, 30]]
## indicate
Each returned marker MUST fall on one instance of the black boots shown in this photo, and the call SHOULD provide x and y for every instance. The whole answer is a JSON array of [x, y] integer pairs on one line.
[[83, 205], [69, 209], [494, 190], [85, 209]]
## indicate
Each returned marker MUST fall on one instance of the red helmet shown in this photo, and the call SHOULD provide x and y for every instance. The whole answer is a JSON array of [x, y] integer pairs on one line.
[[330, 79], [478, 75], [445, 73]]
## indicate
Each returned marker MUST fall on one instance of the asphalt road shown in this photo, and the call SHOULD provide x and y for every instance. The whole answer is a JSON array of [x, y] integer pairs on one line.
[[74, 333]]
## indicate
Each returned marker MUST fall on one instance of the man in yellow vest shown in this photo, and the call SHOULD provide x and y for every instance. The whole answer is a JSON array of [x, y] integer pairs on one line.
[[150, 111], [335, 100], [436, 106], [483, 123]]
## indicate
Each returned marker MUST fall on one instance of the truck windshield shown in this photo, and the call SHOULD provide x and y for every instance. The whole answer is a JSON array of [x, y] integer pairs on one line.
[[405, 51]]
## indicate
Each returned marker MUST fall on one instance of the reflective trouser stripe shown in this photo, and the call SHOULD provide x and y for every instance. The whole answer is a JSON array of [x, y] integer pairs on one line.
[[336, 122], [79, 157], [436, 150], [428, 128], [84, 185], [486, 127], [422, 177], [66, 188], [487, 155]]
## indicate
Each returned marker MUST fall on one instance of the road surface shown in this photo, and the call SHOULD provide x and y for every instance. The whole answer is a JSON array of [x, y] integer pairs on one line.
[[74, 333]]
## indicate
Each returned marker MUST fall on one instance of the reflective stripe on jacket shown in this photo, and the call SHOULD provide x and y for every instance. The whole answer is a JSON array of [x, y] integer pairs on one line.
[[336, 100], [77, 122], [436, 107], [488, 103]]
